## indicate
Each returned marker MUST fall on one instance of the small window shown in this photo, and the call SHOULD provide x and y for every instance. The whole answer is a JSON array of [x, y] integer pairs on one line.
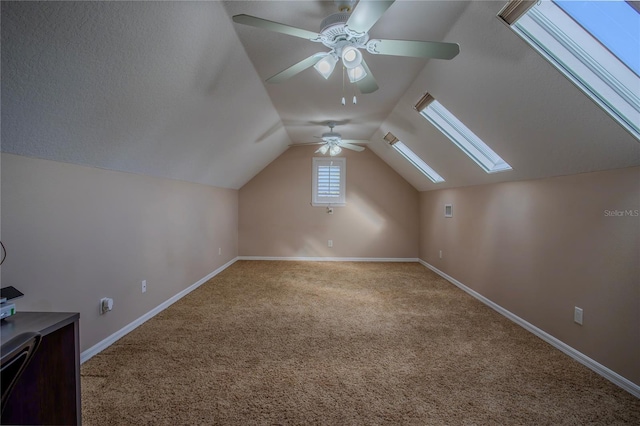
[[329, 181], [593, 43]]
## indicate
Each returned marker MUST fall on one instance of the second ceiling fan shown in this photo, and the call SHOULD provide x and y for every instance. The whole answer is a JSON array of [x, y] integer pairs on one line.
[[345, 33], [332, 142]]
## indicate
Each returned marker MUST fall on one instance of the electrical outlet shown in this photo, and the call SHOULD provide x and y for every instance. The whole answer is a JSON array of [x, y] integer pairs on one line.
[[440, 254], [577, 315], [330, 243], [219, 251], [144, 286], [106, 304]]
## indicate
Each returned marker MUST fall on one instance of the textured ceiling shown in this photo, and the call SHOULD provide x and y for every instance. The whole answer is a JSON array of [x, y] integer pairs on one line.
[[176, 90], [157, 88]]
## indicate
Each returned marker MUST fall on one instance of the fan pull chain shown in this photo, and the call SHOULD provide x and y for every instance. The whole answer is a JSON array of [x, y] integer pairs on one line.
[[344, 102], [355, 101]]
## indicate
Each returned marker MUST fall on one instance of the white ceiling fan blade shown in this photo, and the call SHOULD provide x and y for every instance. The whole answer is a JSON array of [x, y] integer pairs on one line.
[[354, 141], [295, 69], [368, 84], [352, 147], [416, 49], [366, 14], [307, 143], [274, 26]]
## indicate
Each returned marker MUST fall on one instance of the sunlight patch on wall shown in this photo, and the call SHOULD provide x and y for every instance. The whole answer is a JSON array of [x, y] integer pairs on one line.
[[368, 214]]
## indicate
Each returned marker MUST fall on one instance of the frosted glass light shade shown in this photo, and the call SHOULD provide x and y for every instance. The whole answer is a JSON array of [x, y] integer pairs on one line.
[[326, 65], [351, 57], [356, 74], [323, 149]]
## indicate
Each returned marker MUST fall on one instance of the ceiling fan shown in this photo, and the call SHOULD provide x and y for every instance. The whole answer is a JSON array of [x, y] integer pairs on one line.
[[333, 143], [345, 33]]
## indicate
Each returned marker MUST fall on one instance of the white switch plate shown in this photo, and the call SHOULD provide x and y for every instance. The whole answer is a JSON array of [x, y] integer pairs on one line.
[[440, 254], [330, 243], [144, 286], [219, 250], [577, 315]]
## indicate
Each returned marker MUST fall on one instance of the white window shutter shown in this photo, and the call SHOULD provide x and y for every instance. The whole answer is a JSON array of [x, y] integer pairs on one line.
[[328, 181]]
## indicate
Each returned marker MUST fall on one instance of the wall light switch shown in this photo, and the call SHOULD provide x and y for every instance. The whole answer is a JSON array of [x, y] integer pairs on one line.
[[144, 286], [577, 315], [330, 243]]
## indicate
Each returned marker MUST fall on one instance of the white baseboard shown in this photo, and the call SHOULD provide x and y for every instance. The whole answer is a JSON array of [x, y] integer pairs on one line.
[[102, 345], [605, 372], [333, 259]]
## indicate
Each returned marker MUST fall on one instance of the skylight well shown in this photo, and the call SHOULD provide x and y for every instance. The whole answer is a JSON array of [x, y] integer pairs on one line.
[[460, 135], [593, 43], [411, 156]]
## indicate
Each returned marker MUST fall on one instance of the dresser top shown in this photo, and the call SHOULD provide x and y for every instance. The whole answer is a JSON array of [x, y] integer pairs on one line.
[[41, 322]]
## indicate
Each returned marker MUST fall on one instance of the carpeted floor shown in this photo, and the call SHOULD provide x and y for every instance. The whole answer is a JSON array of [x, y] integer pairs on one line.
[[340, 344]]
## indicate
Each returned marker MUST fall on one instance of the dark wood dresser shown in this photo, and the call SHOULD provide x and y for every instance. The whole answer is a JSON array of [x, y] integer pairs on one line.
[[48, 391]]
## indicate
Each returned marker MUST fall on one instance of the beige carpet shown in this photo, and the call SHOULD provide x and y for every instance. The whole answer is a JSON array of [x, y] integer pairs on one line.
[[338, 344]]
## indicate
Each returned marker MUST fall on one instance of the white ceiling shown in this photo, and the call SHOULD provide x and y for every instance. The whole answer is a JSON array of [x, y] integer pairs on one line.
[[175, 89]]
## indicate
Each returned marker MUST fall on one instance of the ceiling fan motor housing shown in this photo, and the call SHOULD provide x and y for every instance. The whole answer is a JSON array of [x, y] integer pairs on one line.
[[334, 34], [329, 136]]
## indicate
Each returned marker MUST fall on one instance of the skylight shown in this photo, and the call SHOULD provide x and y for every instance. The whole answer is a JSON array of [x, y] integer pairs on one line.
[[615, 24], [411, 156], [595, 45], [461, 136]]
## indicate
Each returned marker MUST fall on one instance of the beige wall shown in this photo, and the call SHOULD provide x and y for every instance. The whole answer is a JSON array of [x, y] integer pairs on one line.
[[75, 234], [540, 248], [380, 219]]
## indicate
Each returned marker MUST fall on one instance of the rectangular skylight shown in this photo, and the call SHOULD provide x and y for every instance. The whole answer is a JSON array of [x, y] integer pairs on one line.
[[595, 45], [416, 161], [462, 137]]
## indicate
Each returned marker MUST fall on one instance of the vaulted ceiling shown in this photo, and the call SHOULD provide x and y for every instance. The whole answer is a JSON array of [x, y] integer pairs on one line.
[[176, 90]]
